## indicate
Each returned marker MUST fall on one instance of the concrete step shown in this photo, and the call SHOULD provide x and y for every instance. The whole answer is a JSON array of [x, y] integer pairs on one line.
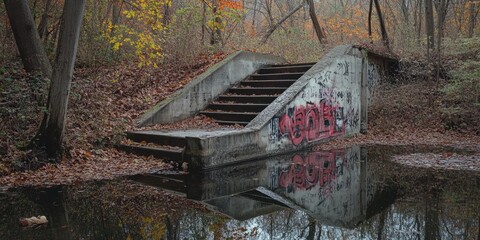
[[163, 152], [268, 83], [232, 123], [248, 99], [273, 76], [284, 69], [157, 138], [292, 65], [237, 107], [257, 90], [230, 116]]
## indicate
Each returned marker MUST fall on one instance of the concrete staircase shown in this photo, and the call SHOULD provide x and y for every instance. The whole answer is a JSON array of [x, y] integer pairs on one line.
[[244, 101], [238, 105], [153, 143]]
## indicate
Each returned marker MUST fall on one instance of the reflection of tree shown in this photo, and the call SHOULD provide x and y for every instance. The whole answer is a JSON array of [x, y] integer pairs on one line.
[[432, 229]]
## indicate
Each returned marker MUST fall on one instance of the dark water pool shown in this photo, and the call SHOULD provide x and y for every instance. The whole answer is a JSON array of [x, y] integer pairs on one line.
[[353, 193]]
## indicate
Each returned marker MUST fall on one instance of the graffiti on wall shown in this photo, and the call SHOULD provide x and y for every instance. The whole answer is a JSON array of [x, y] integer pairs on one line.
[[311, 122], [372, 77]]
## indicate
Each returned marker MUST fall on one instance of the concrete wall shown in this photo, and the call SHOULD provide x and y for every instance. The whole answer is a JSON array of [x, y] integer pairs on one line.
[[196, 95], [327, 106]]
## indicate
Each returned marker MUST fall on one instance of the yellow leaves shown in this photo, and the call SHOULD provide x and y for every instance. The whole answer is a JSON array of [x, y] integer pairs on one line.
[[129, 14], [140, 35]]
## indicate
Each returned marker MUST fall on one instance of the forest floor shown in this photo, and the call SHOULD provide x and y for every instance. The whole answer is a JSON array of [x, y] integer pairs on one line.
[[105, 102]]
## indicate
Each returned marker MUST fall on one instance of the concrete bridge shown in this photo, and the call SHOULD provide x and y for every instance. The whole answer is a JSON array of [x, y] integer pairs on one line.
[[283, 107]]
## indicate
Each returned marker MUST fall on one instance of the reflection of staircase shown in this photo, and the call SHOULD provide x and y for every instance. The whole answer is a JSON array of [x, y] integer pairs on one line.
[[244, 101], [238, 105]]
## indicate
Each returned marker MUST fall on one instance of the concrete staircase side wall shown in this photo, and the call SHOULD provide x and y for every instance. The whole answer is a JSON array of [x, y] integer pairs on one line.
[[327, 106], [196, 95]]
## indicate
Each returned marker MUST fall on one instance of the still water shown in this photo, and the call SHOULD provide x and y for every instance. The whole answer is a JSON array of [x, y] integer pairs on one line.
[[352, 193]]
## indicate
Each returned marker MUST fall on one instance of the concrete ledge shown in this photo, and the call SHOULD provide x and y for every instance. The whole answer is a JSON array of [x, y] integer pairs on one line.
[[197, 94]]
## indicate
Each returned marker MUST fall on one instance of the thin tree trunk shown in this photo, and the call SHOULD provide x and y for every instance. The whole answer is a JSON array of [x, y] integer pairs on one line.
[[254, 12], [383, 30], [429, 24], [472, 19], [117, 8], [419, 29], [55, 118], [26, 36], [275, 26], [204, 21], [43, 25], [370, 10], [442, 12], [316, 25], [216, 29]]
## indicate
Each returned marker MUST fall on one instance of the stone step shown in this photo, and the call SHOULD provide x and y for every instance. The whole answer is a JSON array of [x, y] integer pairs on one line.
[[156, 137], [232, 123], [292, 65], [163, 152], [268, 83], [273, 76], [284, 69], [230, 116], [266, 99], [237, 107], [257, 90]]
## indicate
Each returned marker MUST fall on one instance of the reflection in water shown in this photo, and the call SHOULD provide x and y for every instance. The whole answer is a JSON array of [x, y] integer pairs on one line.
[[339, 194]]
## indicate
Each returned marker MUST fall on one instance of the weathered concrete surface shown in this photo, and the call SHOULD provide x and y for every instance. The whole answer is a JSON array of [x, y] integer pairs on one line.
[[197, 94], [325, 103]]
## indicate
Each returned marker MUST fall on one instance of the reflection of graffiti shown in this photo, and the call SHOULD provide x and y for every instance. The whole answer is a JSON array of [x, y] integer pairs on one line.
[[312, 122], [317, 169]]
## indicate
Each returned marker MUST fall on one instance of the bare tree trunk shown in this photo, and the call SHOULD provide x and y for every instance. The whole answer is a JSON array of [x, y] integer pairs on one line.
[[54, 120], [216, 28], [254, 12], [429, 24], [432, 217], [472, 19], [43, 25], [370, 10], [385, 39], [204, 21], [419, 27], [117, 8], [316, 24], [275, 26], [442, 13], [26, 36]]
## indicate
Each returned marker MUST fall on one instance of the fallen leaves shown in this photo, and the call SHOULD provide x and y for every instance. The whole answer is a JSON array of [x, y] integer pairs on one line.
[[446, 161]]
